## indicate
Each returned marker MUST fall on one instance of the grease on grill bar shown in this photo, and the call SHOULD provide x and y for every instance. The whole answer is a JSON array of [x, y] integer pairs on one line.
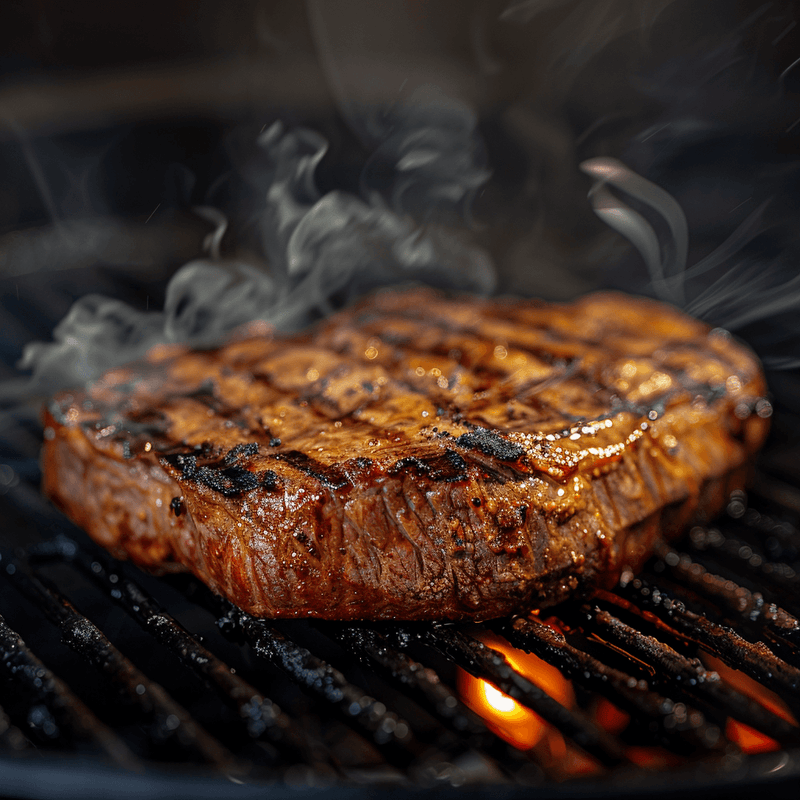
[[652, 675]]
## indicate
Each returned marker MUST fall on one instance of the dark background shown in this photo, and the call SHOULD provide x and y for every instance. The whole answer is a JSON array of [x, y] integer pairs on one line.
[[116, 120]]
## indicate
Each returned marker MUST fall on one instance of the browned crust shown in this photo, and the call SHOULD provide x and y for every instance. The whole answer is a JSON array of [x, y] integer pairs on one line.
[[414, 478]]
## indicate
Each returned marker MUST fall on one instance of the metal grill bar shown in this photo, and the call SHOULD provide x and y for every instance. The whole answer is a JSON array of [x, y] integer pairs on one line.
[[690, 676], [769, 552], [55, 711], [262, 717], [490, 665], [424, 683], [414, 677], [744, 604], [631, 694], [384, 727], [756, 660], [170, 720]]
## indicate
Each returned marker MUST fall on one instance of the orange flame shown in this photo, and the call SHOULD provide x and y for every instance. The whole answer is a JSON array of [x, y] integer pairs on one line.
[[518, 725], [749, 739], [515, 723], [524, 729]]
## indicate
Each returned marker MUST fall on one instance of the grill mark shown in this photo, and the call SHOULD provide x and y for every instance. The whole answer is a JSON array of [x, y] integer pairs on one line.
[[498, 393], [482, 439], [207, 395], [516, 312], [528, 390], [402, 348], [448, 467], [330, 476], [493, 471], [298, 398], [135, 430], [474, 334]]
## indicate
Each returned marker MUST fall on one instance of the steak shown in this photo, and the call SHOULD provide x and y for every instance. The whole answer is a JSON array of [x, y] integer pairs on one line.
[[417, 456]]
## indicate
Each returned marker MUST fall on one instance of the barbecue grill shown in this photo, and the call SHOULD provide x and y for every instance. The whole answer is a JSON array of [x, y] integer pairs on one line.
[[687, 675]]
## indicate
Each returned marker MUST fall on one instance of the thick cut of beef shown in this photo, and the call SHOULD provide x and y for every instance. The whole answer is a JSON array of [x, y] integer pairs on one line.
[[415, 457]]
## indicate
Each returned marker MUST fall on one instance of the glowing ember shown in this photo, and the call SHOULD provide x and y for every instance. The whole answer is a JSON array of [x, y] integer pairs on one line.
[[498, 701], [749, 739], [515, 723], [518, 725]]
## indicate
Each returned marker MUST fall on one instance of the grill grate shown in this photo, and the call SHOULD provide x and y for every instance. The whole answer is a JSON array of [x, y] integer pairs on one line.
[[115, 669]]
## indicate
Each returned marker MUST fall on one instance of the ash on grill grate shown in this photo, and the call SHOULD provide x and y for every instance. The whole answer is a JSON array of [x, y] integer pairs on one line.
[[52, 711]]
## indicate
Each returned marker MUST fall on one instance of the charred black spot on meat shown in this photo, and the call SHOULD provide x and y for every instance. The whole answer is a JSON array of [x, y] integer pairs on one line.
[[241, 452], [269, 479], [491, 444], [186, 464], [176, 506], [329, 476], [230, 480], [449, 467]]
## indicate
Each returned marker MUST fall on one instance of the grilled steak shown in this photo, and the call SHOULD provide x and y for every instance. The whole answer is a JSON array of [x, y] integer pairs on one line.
[[415, 457]]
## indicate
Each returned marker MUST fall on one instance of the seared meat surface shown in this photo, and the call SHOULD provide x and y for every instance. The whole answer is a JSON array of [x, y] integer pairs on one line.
[[414, 457]]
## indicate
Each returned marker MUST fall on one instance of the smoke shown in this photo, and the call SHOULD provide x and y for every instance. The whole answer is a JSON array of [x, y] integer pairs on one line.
[[322, 250], [665, 263], [729, 295]]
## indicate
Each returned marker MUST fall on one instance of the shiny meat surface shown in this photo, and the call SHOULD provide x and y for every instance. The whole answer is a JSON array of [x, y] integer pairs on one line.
[[414, 457]]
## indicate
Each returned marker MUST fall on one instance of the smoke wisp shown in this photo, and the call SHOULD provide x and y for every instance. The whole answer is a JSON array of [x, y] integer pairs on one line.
[[322, 250]]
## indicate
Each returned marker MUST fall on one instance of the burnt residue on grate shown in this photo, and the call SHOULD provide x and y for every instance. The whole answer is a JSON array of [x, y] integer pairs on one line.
[[753, 658], [262, 717], [53, 713]]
